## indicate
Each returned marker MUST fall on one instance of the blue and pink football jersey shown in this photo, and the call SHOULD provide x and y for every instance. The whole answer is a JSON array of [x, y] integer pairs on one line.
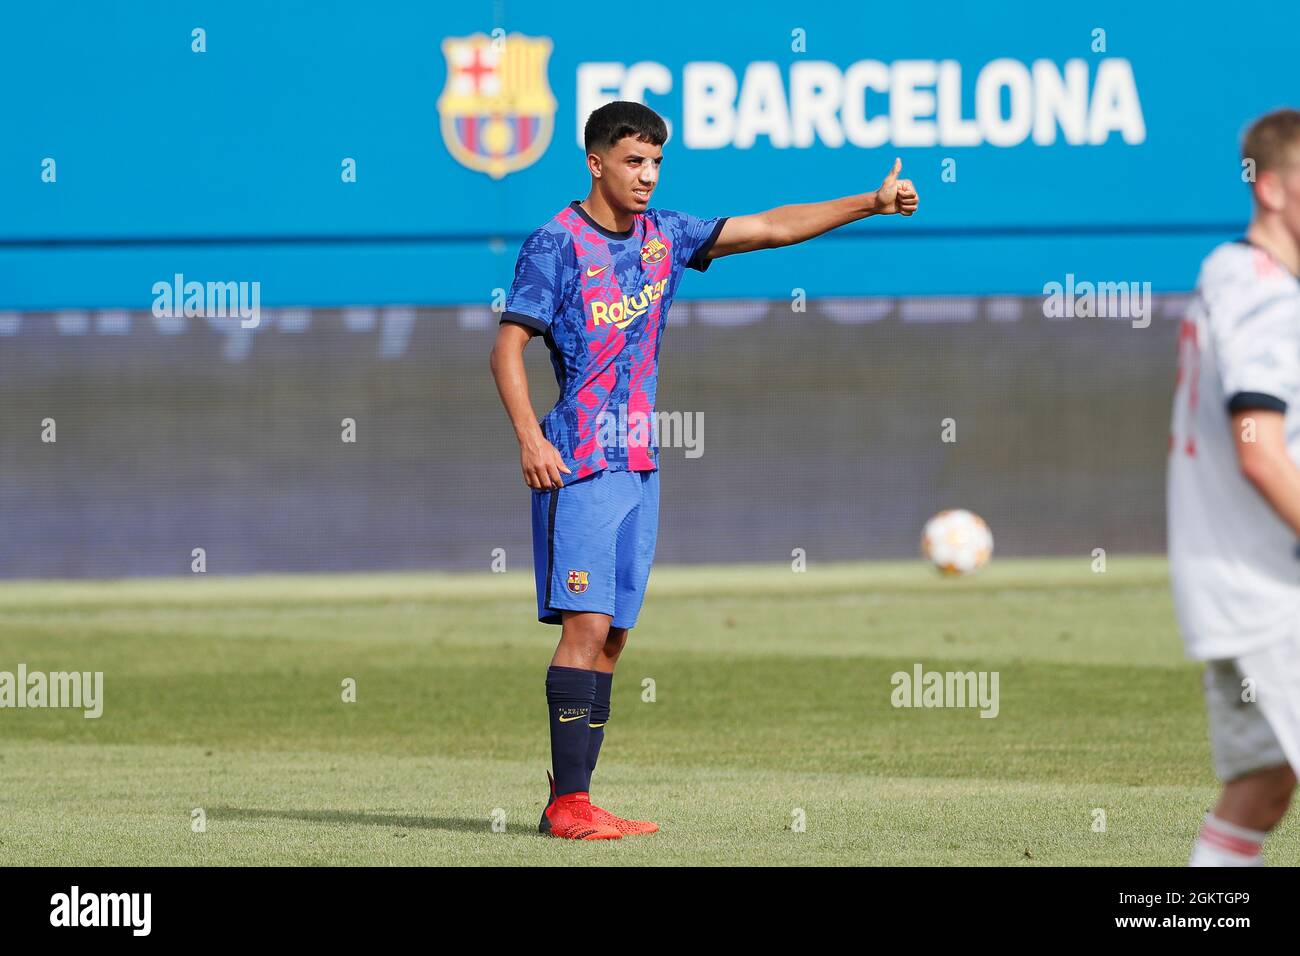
[[601, 300]]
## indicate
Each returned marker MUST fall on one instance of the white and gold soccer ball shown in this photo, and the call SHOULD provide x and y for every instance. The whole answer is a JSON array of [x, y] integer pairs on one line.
[[957, 542]]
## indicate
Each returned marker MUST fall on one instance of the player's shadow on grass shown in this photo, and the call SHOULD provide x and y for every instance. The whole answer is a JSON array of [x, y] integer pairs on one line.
[[396, 821]]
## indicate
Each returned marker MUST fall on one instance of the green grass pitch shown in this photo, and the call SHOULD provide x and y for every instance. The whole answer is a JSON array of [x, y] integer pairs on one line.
[[771, 696]]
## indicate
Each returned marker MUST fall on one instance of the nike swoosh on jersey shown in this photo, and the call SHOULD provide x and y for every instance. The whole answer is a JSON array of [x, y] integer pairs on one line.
[[592, 273]]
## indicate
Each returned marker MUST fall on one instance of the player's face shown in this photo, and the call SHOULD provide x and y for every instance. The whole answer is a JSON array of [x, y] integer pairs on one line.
[[631, 172], [1278, 193]]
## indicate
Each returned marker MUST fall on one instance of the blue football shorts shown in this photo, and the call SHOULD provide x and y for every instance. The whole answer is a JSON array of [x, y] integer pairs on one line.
[[594, 543]]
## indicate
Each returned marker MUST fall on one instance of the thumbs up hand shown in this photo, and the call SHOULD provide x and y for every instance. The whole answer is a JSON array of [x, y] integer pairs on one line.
[[896, 195]]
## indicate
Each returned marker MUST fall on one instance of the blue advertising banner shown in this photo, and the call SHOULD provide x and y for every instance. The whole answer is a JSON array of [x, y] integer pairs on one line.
[[337, 156]]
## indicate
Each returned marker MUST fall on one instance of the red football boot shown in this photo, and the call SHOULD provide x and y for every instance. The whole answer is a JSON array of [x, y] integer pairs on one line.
[[600, 817], [625, 827], [572, 817]]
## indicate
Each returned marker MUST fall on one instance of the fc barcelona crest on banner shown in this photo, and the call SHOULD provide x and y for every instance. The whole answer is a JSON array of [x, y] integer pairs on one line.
[[497, 108], [577, 581]]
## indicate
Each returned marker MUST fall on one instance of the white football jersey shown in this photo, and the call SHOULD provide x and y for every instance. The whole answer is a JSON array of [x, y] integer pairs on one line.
[[1233, 561]]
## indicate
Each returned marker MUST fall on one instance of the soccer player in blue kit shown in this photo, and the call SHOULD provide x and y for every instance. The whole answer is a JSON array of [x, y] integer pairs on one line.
[[596, 282]]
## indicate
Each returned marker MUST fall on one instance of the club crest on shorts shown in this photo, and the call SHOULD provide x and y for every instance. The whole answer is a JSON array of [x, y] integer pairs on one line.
[[577, 582]]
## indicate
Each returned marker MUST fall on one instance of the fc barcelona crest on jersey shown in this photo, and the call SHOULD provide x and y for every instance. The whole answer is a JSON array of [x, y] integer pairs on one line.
[[653, 251], [577, 581], [497, 108]]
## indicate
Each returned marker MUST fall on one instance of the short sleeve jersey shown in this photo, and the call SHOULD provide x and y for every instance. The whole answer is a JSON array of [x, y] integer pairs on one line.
[[601, 299], [1233, 561]]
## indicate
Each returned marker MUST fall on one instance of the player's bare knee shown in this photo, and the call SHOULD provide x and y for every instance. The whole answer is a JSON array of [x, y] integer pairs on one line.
[[1279, 781], [585, 634], [1270, 790]]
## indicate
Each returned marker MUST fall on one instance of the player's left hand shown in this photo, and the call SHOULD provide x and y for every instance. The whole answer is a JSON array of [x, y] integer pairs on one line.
[[896, 195]]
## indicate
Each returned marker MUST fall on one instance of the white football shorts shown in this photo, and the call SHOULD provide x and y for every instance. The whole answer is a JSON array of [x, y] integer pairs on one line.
[[1249, 735]]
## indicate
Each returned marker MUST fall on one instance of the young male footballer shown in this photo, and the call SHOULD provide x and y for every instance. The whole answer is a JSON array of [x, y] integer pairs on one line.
[[1234, 501], [596, 282]]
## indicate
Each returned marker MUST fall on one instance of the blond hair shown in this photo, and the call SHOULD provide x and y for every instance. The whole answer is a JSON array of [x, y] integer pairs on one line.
[[1273, 140]]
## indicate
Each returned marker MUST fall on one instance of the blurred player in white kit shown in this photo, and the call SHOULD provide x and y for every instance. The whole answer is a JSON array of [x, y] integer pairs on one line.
[[1234, 501]]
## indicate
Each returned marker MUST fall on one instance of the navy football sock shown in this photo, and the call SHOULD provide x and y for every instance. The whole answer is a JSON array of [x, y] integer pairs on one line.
[[569, 693], [599, 717]]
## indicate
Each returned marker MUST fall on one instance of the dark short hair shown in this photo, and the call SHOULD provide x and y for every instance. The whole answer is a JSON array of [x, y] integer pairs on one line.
[[617, 120], [1273, 140]]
